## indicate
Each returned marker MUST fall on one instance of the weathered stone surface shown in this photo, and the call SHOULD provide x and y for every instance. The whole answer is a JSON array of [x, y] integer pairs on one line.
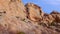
[[12, 8], [54, 12], [15, 18], [34, 12]]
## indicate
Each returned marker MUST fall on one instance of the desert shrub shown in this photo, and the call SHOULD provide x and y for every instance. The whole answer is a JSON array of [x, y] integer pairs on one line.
[[20, 33]]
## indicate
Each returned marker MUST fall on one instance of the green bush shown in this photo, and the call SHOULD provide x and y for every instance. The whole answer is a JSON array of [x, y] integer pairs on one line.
[[20, 33]]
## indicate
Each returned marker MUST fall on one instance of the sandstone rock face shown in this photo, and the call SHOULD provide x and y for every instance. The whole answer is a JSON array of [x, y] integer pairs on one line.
[[15, 18], [10, 11], [47, 19], [34, 12], [54, 12], [12, 8]]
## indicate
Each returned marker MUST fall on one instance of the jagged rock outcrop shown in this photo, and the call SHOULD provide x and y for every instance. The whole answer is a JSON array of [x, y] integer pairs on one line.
[[15, 18], [56, 16], [51, 20], [54, 12], [34, 12]]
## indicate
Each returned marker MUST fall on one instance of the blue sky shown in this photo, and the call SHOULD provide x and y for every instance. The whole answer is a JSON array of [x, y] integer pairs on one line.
[[47, 5]]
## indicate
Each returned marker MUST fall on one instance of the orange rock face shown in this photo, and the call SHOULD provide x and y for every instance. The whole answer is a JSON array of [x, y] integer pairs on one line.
[[34, 12], [15, 18], [13, 8], [10, 10]]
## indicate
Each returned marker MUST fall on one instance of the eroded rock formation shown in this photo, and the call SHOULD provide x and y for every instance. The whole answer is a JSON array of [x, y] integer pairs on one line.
[[17, 18], [34, 12]]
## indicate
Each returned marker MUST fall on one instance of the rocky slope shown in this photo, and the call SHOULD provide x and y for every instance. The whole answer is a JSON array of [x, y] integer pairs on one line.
[[17, 18]]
